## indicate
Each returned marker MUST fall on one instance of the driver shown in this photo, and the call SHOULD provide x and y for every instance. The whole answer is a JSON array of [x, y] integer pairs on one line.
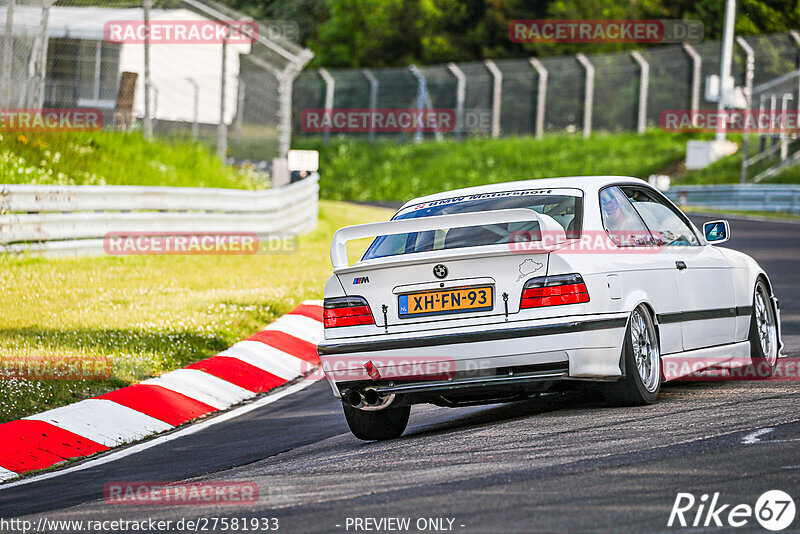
[[613, 217], [618, 224]]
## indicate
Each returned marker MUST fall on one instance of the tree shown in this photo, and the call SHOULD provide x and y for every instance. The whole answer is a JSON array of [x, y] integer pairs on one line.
[[389, 33]]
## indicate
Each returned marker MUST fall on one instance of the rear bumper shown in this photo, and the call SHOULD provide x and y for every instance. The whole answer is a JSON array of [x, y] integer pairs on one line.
[[573, 347], [468, 383]]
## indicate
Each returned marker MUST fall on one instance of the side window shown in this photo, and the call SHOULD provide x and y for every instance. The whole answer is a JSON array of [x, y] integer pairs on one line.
[[667, 226], [620, 221]]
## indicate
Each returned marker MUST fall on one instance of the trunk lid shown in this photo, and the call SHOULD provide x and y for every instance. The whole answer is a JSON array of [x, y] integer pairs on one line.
[[471, 288]]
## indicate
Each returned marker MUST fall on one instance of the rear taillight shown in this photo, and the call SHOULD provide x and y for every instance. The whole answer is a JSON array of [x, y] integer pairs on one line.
[[554, 291], [346, 311]]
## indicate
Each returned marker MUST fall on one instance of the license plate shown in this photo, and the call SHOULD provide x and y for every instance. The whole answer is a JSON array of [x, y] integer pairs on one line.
[[459, 300]]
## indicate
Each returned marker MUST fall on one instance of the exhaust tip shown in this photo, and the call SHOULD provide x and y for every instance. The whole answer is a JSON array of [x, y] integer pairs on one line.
[[354, 398], [372, 398]]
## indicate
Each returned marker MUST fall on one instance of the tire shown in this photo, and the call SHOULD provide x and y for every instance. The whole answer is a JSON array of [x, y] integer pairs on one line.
[[377, 425], [763, 334], [642, 359]]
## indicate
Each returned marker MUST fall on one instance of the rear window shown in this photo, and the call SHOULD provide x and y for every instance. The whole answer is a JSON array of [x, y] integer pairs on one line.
[[564, 205]]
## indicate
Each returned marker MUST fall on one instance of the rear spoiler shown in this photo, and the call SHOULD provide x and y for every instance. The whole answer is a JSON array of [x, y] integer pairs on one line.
[[547, 224]]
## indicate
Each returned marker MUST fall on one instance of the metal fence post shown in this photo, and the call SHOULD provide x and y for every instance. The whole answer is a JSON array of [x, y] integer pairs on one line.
[[285, 83], [784, 149], [773, 106], [762, 141], [497, 95], [697, 64], [422, 89], [330, 87], [154, 89], [588, 97], [644, 84], [147, 121], [37, 98], [541, 95], [195, 125], [240, 107], [8, 45], [726, 57], [286, 78], [795, 35], [748, 95], [461, 96], [373, 101], [222, 128]]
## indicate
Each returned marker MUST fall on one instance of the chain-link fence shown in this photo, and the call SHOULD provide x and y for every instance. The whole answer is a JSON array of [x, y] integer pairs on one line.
[[610, 92], [59, 54], [230, 89]]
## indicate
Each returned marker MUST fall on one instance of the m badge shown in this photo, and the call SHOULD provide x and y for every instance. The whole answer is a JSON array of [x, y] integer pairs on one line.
[[360, 280]]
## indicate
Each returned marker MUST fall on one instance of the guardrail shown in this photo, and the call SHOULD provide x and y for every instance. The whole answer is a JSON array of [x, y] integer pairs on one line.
[[747, 197], [53, 220]]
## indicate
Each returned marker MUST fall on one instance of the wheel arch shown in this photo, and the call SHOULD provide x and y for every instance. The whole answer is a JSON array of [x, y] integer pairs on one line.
[[653, 315], [761, 275]]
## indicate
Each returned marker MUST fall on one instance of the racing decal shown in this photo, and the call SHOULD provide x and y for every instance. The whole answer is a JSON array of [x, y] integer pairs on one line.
[[483, 196], [528, 267], [360, 280]]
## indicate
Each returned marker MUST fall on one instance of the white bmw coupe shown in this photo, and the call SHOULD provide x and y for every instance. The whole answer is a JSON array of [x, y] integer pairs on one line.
[[500, 292]]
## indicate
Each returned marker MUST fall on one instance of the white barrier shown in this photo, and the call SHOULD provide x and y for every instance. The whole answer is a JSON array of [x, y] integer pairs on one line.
[[74, 219], [735, 197]]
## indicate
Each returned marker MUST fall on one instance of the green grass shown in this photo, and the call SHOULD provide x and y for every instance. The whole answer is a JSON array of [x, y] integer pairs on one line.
[[385, 171], [112, 158], [144, 315]]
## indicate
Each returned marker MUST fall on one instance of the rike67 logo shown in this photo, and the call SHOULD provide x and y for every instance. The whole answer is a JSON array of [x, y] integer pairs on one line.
[[774, 510]]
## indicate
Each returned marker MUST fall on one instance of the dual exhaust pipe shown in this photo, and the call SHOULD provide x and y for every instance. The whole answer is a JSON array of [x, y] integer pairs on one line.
[[366, 400]]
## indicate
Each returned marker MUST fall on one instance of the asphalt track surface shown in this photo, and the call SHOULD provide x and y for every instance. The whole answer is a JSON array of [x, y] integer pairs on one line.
[[558, 463]]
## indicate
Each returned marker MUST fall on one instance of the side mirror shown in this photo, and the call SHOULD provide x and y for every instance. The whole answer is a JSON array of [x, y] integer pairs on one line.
[[717, 231]]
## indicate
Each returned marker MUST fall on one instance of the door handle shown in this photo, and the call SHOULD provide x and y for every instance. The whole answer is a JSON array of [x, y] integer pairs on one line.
[[680, 265]]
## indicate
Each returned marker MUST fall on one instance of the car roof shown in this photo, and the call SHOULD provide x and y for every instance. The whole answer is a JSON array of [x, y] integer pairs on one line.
[[585, 183]]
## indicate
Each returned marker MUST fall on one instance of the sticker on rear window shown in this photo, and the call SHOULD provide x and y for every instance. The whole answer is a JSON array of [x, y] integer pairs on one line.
[[482, 196]]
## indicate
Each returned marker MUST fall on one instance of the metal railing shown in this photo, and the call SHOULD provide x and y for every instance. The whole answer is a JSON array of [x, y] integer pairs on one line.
[[52, 220], [748, 197], [775, 149]]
